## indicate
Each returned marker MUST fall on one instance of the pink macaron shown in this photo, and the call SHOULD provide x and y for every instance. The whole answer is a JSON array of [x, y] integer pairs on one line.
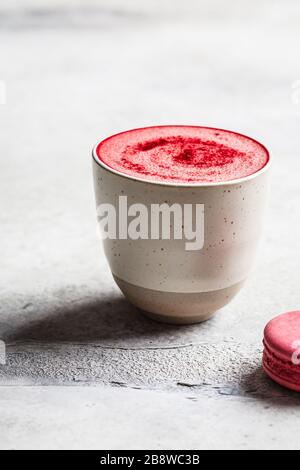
[[281, 358]]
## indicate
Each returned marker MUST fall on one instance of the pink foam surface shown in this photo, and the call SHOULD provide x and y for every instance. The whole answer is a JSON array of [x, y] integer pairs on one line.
[[183, 154]]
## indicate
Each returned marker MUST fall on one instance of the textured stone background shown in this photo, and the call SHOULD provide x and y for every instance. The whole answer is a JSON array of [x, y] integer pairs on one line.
[[84, 368]]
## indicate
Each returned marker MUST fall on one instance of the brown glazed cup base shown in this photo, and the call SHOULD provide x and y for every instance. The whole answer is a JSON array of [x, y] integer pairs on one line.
[[176, 307]]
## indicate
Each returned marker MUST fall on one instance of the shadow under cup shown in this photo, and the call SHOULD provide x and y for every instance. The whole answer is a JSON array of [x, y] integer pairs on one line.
[[167, 281]]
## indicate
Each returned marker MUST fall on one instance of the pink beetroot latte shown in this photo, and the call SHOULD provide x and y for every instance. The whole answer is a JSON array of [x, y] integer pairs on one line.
[[183, 154]]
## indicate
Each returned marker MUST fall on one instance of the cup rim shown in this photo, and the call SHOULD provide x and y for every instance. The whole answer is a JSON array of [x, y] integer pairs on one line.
[[176, 184]]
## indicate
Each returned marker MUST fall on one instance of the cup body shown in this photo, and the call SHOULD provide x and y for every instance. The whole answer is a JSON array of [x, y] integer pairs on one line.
[[162, 277]]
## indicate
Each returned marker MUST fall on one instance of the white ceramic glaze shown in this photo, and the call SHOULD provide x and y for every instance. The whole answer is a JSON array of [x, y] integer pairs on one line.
[[150, 271]]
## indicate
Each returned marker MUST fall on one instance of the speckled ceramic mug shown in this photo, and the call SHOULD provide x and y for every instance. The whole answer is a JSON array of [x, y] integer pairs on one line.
[[162, 278]]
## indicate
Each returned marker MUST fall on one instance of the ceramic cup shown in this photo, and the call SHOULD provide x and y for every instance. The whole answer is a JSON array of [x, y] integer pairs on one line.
[[165, 280]]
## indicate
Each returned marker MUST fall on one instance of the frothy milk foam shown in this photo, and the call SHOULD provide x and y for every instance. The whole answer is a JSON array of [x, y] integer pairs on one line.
[[183, 154]]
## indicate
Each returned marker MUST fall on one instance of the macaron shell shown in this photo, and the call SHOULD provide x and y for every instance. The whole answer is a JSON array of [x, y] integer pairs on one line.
[[284, 373], [280, 380], [282, 350], [281, 333]]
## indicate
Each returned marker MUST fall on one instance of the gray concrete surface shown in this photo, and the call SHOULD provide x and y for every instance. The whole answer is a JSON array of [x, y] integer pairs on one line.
[[110, 418], [78, 355]]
